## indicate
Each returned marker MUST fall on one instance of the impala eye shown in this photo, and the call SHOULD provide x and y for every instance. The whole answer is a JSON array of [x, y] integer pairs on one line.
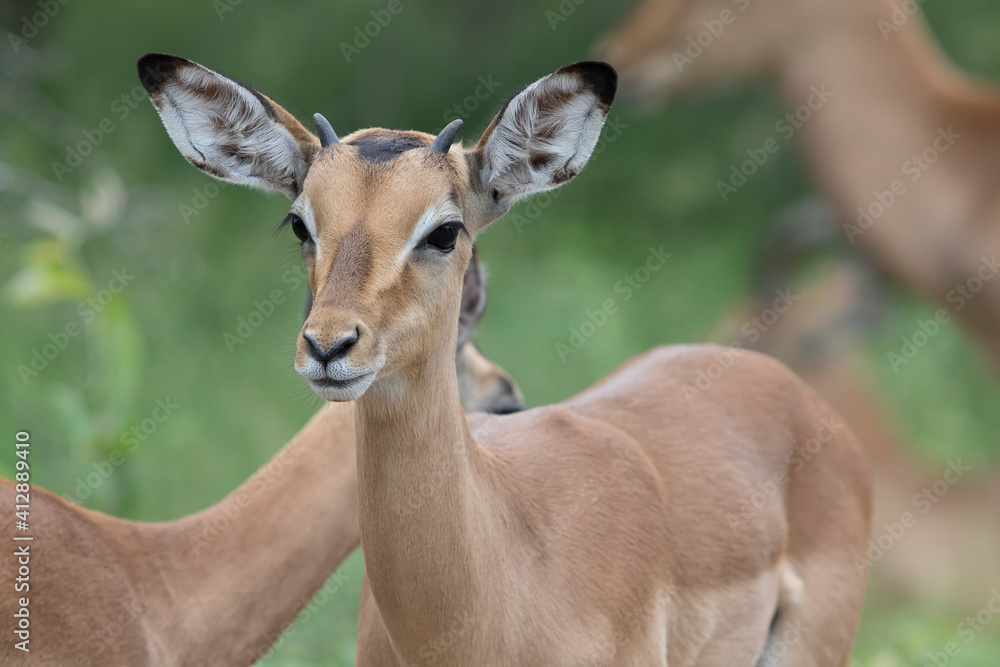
[[298, 227], [444, 237]]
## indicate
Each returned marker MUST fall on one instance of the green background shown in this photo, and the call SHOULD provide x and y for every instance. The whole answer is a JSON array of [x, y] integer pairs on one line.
[[163, 336]]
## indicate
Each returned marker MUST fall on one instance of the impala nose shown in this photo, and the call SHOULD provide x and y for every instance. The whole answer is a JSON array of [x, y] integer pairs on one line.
[[324, 351]]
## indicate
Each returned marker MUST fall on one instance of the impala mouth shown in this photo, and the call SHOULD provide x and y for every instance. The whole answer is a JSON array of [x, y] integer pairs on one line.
[[336, 384], [342, 390]]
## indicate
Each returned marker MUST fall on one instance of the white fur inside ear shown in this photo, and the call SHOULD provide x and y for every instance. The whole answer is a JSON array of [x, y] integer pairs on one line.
[[544, 137], [224, 129]]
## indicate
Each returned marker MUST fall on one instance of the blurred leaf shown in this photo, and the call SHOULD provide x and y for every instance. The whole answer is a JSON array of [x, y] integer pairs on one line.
[[69, 406], [104, 203], [49, 275], [56, 220], [120, 362], [654, 185]]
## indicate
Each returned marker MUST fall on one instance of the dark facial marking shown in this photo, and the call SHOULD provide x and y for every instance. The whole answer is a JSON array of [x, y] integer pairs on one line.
[[381, 147], [351, 269]]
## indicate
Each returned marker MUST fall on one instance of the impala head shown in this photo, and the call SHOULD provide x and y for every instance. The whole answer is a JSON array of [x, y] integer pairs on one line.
[[386, 218], [667, 46], [482, 384]]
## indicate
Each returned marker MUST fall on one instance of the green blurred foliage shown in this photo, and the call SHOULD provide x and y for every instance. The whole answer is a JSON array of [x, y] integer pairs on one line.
[[64, 231]]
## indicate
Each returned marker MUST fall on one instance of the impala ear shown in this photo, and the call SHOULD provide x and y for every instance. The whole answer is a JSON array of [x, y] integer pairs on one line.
[[225, 127], [473, 299], [544, 134]]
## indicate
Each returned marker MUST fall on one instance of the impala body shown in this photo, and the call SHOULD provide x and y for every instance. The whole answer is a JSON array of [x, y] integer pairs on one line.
[[905, 147], [953, 550], [220, 586], [901, 117], [602, 530]]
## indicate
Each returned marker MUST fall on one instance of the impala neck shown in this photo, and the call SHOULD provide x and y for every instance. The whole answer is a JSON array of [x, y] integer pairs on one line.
[[891, 90], [425, 509], [901, 118], [250, 563], [887, 101]]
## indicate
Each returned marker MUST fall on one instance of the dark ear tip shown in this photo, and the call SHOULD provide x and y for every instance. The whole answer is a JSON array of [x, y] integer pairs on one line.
[[155, 69], [600, 76]]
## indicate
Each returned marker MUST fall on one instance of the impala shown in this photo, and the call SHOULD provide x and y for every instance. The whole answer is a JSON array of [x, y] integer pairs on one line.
[[588, 532], [906, 148], [952, 553], [217, 587]]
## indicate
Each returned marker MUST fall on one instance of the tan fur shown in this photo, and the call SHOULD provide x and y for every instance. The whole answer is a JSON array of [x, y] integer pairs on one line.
[[951, 554], [891, 96], [214, 588], [217, 587], [363, 199], [479, 377], [590, 532]]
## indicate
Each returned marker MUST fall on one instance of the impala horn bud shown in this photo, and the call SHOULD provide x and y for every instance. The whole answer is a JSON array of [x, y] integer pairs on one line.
[[442, 142], [327, 137]]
